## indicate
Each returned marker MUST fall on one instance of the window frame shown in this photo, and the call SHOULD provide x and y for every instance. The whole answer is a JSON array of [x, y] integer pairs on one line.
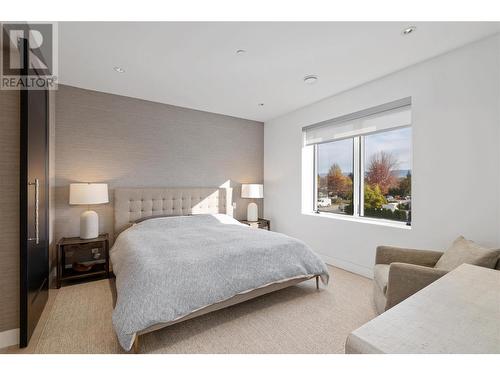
[[358, 180], [315, 175]]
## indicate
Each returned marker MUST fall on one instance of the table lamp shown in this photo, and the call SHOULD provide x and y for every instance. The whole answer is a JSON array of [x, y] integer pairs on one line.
[[87, 194], [253, 191]]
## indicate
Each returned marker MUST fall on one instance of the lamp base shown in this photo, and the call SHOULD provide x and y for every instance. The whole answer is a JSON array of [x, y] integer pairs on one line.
[[252, 212], [89, 225]]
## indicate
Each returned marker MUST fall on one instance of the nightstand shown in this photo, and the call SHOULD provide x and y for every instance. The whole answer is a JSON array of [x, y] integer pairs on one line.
[[79, 259], [261, 223]]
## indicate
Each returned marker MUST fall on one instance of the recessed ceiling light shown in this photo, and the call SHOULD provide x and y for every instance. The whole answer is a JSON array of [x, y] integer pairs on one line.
[[310, 79], [261, 104], [240, 51], [409, 30], [118, 69]]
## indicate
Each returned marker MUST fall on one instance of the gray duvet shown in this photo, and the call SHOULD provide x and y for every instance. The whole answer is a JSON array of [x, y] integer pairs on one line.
[[167, 268]]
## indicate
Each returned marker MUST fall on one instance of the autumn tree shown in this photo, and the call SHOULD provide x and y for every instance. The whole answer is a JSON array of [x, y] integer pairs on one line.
[[321, 184], [403, 188], [380, 171], [337, 183]]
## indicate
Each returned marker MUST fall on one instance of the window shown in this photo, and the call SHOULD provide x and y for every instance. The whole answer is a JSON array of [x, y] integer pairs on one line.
[[335, 175], [387, 175], [362, 163]]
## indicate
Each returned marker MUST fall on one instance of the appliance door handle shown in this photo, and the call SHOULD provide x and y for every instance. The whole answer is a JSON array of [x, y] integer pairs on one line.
[[36, 184]]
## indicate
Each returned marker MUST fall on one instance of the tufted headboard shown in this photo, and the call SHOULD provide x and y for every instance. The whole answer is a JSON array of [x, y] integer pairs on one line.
[[131, 204]]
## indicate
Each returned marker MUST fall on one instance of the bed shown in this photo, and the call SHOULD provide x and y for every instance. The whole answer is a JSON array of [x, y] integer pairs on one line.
[[180, 254]]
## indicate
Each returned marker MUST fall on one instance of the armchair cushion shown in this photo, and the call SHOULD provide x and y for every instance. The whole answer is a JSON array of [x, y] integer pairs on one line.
[[407, 279], [390, 254], [466, 251], [381, 276]]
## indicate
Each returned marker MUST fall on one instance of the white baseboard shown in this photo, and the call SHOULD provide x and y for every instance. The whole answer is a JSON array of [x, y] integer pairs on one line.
[[348, 266], [9, 338]]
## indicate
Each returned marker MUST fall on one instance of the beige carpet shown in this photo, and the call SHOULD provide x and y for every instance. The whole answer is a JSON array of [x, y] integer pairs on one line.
[[298, 319]]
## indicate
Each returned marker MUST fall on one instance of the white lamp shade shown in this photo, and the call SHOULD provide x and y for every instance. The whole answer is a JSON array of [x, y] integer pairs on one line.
[[252, 191], [83, 193]]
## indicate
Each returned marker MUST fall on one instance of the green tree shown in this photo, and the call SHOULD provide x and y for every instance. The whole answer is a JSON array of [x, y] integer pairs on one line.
[[374, 197], [405, 185]]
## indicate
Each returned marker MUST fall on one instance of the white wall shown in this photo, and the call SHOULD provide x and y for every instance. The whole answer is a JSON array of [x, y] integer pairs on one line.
[[456, 159]]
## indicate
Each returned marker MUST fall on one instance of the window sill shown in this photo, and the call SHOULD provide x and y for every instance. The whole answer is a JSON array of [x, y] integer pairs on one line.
[[364, 220]]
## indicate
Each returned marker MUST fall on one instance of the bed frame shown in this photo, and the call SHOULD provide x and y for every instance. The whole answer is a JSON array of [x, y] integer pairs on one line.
[[131, 204]]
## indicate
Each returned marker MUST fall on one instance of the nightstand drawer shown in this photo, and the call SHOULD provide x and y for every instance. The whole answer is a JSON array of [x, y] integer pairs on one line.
[[85, 246]]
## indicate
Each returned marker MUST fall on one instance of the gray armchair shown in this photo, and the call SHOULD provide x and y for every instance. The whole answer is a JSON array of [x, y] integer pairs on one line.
[[400, 272]]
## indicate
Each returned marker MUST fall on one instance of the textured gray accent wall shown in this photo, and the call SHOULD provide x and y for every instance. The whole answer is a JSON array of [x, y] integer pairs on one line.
[[129, 142], [9, 201]]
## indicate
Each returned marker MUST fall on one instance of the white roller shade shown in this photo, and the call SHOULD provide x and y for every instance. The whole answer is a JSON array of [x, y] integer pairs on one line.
[[388, 116]]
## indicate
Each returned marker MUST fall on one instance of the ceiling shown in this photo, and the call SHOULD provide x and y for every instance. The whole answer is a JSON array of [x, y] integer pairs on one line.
[[195, 64]]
